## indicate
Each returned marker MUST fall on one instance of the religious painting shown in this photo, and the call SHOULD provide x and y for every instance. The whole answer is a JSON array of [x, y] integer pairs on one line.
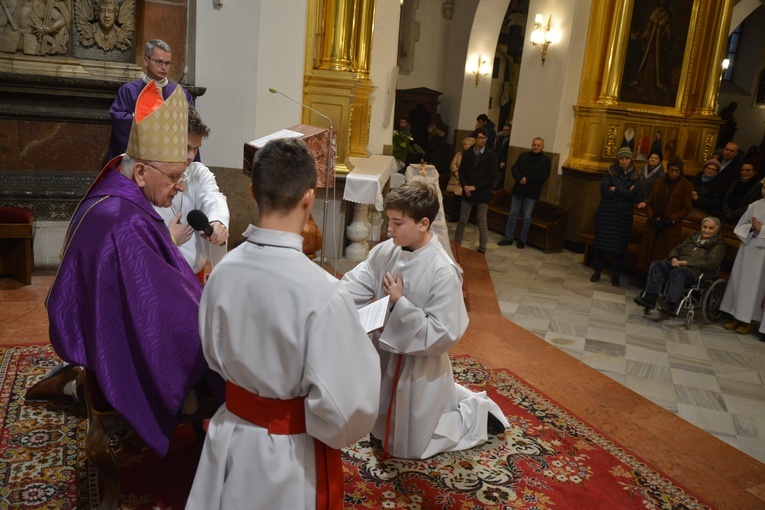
[[670, 146], [759, 93], [643, 143], [628, 138], [653, 64]]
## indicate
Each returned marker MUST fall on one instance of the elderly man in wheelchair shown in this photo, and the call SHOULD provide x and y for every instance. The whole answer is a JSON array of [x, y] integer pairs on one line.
[[692, 264]]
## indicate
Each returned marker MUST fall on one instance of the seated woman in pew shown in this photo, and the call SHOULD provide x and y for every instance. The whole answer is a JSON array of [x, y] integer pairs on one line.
[[702, 251], [708, 189]]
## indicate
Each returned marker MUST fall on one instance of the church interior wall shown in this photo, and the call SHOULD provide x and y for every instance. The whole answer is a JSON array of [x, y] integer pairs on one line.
[[429, 54], [750, 63]]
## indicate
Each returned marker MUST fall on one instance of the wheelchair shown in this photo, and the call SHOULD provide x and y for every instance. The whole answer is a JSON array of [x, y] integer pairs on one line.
[[706, 295]]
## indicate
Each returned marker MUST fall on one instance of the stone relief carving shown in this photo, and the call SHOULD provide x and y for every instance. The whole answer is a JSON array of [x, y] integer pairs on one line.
[[105, 23], [35, 27]]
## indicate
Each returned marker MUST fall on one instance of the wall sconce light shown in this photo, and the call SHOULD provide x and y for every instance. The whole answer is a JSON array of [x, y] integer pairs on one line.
[[725, 64], [477, 73], [541, 37]]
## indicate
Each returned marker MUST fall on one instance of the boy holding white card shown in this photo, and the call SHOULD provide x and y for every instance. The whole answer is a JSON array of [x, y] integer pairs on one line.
[[422, 410]]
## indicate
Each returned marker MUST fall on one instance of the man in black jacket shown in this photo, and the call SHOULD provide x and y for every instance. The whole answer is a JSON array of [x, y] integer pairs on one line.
[[478, 172], [530, 172]]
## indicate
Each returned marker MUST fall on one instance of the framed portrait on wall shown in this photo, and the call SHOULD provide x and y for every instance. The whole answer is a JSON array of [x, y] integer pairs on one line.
[[655, 59]]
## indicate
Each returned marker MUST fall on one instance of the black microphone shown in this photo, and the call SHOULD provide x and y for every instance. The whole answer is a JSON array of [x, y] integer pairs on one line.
[[326, 179], [198, 221]]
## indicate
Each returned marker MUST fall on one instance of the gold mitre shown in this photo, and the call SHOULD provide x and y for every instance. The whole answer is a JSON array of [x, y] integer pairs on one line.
[[160, 128]]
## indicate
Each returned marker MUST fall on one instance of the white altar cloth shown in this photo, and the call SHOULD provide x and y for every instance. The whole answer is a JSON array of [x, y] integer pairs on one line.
[[365, 183]]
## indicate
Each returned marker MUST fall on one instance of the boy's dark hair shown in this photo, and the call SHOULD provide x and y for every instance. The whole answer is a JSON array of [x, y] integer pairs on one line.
[[415, 199], [482, 131], [196, 126], [483, 118], [282, 171]]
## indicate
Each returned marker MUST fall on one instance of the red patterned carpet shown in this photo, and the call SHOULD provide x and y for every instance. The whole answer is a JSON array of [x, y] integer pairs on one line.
[[548, 459]]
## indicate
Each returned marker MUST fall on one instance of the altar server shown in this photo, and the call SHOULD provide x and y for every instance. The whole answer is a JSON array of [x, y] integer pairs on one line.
[[745, 293], [422, 410], [302, 376]]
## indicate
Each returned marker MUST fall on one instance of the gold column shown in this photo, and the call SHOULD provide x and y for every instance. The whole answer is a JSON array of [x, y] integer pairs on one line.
[[362, 108], [708, 105], [337, 50], [617, 46], [337, 64]]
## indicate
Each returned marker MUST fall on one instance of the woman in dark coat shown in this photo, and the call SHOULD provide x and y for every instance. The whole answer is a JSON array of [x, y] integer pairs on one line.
[[667, 206], [707, 188], [613, 221]]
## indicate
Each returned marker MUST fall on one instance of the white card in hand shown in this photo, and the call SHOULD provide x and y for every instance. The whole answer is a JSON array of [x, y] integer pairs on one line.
[[372, 316]]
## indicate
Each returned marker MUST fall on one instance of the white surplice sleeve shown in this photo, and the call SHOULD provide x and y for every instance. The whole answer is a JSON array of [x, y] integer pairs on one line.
[[342, 383]]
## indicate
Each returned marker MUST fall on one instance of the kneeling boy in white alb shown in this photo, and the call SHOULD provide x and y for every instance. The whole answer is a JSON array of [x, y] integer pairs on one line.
[[422, 410]]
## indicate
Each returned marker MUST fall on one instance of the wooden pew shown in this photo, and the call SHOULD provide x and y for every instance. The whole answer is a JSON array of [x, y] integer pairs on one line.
[[548, 222]]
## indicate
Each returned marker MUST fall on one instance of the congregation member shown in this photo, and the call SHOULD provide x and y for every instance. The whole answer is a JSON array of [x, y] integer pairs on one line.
[[422, 410], [613, 219], [744, 293], [302, 377], [652, 172], [667, 206], [501, 147], [124, 303], [707, 188], [483, 121], [730, 164], [454, 186], [741, 192], [701, 252], [201, 193], [530, 173], [157, 61], [478, 173]]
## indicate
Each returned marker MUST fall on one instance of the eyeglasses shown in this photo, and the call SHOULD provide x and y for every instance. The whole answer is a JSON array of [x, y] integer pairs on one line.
[[160, 63], [174, 180], [673, 170], [480, 137]]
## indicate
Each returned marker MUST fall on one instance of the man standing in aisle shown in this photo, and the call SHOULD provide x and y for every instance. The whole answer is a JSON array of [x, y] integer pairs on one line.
[[530, 172], [478, 173], [157, 61]]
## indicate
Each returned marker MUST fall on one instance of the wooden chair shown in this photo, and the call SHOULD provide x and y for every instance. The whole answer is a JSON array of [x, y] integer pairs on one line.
[[104, 421], [17, 243]]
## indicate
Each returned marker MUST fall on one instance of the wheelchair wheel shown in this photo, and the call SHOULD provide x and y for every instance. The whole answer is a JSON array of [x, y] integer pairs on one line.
[[689, 320], [710, 304]]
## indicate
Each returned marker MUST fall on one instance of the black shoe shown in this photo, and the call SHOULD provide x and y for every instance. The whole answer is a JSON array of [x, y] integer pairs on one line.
[[647, 301], [505, 242], [481, 250], [669, 309], [521, 245], [494, 426], [595, 276], [615, 281]]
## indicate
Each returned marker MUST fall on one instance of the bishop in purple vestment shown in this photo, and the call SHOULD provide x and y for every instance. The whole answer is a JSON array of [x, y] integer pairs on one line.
[[124, 303]]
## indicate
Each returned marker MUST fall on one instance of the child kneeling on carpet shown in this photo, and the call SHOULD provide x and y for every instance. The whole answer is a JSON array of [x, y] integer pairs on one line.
[[296, 360], [422, 410]]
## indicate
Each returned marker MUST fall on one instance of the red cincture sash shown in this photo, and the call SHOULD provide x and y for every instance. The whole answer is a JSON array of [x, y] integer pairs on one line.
[[389, 415], [287, 417]]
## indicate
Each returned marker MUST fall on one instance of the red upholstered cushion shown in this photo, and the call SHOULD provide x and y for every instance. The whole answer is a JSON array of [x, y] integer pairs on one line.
[[16, 215]]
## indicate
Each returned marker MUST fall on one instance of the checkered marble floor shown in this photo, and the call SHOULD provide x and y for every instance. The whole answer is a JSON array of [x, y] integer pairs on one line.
[[708, 376]]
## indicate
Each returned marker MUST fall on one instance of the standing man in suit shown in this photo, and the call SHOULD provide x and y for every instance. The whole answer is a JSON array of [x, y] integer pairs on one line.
[[478, 173]]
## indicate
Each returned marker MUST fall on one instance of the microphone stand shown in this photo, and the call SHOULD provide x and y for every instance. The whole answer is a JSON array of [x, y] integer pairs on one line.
[[326, 177]]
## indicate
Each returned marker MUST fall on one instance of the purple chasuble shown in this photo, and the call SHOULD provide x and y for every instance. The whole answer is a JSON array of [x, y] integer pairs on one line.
[[122, 111], [124, 305]]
